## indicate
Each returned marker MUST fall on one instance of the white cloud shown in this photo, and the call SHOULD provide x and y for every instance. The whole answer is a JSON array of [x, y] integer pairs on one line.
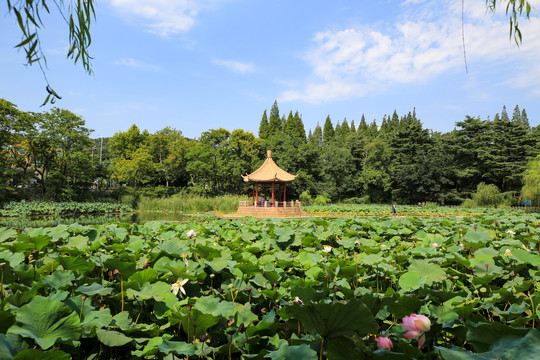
[[136, 64], [417, 48], [163, 17], [235, 66]]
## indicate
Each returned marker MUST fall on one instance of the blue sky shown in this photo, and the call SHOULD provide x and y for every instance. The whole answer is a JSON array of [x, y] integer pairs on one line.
[[196, 65]]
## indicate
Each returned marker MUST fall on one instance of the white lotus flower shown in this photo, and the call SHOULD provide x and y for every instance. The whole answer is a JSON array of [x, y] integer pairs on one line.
[[179, 286], [327, 248], [191, 234], [511, 233]]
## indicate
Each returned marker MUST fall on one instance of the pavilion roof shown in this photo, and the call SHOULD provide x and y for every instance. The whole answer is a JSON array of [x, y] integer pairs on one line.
[[269, 172]]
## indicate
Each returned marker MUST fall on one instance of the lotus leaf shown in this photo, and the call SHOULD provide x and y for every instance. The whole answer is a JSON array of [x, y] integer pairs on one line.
[[94, 289], [335, 319], [60, 279], [112, 338], [33, 354], [47, 321], [286, 351], [11, 345]]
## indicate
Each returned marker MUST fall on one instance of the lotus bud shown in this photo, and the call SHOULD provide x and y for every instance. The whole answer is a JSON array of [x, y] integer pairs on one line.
[[385, 343]]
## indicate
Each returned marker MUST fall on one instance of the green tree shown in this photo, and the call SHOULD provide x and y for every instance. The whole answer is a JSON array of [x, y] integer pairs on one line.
[[243, 148], [67, 134], [531, 181], [12, 130], [290, 126], [138, 170], [409, 146], [316, 138], [512, 145], [160, 146], [328, 131], [345, 129], [377, 168], [353, 128], [274, 123], [300, 131], [124, 144], [337, 172], [363, 126], [471, 145], [263, 127]]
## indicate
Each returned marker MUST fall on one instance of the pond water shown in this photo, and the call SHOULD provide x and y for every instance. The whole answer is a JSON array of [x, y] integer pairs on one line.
[[135, 217]]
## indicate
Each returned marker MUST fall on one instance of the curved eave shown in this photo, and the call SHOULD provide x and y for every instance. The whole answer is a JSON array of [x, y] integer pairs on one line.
[[275, 179], [269, 172]]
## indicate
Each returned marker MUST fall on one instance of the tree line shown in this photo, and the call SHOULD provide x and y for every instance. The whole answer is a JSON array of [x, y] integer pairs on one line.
[[395, 160]]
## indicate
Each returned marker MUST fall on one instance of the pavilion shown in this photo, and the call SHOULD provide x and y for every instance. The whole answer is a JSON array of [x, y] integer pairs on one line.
[[269, 191]]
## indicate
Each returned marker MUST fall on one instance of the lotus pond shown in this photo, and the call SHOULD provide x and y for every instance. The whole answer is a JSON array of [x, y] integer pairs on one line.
[[273, 289]]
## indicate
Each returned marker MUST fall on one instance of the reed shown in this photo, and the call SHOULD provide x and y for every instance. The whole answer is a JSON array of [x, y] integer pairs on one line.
[[190, 203]]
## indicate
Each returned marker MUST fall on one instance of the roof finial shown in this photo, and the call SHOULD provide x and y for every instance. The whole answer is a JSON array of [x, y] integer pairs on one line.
[[269, 153]]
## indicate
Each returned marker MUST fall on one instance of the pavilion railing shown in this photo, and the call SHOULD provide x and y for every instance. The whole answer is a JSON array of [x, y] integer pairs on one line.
[[269, 204]]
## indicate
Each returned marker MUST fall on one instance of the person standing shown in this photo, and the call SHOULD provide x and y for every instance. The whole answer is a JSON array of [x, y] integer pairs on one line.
[[394, 209]]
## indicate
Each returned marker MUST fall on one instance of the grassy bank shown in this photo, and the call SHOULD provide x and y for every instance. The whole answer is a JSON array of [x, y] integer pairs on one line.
[[189, 203]]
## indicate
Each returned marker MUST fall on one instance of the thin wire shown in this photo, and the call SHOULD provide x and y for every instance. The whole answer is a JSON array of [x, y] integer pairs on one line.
[[463, 35]]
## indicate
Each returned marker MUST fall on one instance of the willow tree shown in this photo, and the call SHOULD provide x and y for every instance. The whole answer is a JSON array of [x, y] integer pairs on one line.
[[78, 16]]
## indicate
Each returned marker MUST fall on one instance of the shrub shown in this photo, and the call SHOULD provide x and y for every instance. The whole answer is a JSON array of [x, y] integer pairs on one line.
[[321, 200], [357, 200], [305, 198], [487, 195]]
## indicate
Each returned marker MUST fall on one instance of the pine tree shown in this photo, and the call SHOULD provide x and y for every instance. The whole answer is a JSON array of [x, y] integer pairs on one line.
[[504, 114], [524, 118], [363, 126], [317, 137], [337, 132], [512, 144], [345, 129], [263, 127], [516, 115], [300, 130], [394, 122], [353, 128], [410, 147], [373, 129], [274, 123], [290, 126], [385, 126], [328, 132]]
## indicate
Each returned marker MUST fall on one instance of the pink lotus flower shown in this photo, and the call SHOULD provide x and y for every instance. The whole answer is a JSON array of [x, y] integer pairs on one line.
[[416, 325], [384, 342]]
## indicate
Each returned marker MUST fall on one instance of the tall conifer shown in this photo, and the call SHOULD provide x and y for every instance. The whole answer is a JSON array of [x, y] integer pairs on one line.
[[328, 132], [353, 128], [300, 130], [263, 127], [274, 123]]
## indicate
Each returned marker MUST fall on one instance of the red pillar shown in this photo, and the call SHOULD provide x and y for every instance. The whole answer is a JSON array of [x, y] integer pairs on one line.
[[253, 194], [256, 194], [273, 204], [284, 192]]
